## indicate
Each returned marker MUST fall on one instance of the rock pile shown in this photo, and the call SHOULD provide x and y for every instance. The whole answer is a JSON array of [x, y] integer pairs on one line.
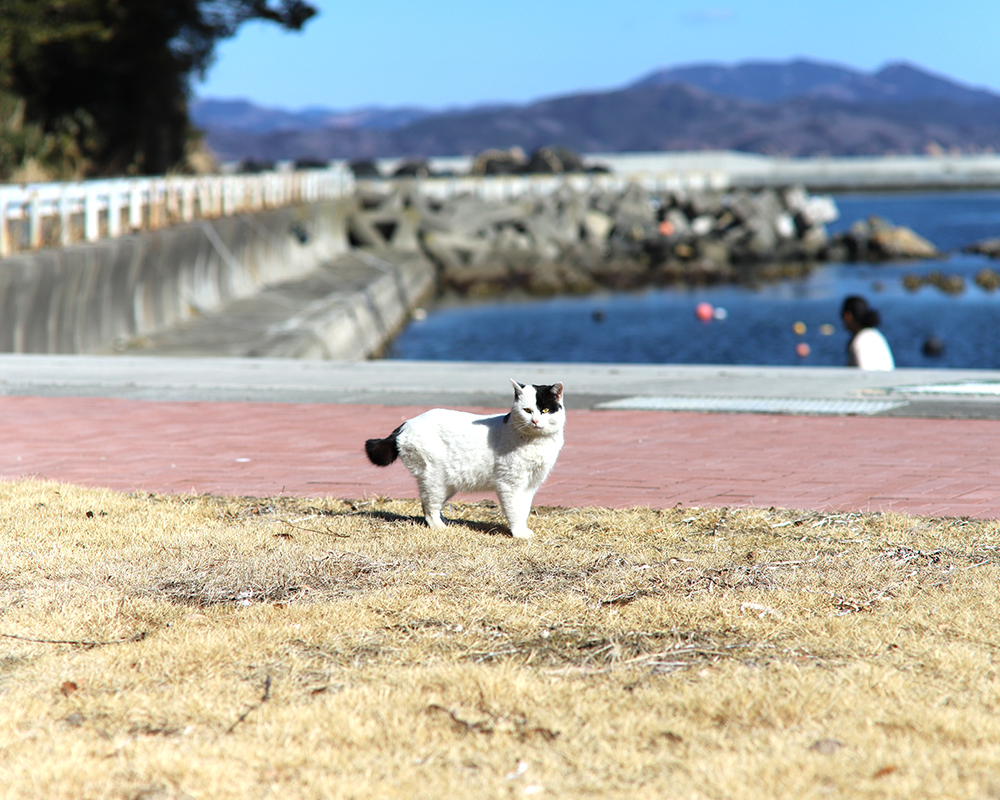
[[544, 161], [986, 279], [575, 241]]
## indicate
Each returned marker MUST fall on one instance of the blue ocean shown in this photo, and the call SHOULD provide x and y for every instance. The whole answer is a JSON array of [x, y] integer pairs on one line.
[[755, 325]]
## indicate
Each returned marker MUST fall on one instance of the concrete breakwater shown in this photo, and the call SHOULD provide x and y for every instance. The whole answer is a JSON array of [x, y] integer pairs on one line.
[[740, 170], [278, 282], [86, 298], [346, 309], [590, 235]]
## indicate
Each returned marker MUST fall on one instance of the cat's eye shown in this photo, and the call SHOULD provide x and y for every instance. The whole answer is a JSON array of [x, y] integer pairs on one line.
[[545, 410]]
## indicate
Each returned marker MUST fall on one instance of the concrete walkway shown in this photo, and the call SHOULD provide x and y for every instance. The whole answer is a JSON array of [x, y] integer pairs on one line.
[[260, 427]]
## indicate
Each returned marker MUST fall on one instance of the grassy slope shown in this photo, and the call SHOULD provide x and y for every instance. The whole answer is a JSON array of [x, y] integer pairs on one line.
[[220, 647]]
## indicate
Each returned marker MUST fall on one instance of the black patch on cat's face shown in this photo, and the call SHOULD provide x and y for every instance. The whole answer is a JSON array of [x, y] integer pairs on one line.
[[547, 398]]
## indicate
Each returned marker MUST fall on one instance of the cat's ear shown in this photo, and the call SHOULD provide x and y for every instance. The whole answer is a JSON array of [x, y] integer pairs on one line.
[[557, 390], [518, 388]]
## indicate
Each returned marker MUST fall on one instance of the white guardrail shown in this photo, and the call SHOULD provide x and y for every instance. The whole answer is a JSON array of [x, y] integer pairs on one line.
[[37, 215]]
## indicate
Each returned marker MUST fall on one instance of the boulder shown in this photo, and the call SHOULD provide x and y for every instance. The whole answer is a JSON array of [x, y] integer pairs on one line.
[[554, 161], [364, 168], [895, 244], [808, 210], [415, 168], [597, 225], [499, 162], [876, 239], [987, 247], [988, 279]]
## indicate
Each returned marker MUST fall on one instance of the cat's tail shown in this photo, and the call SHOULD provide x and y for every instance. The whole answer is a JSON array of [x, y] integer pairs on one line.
[[382, 452]]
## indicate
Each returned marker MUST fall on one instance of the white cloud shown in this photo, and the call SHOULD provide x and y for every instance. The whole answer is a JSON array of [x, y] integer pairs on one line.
[[709, 16]]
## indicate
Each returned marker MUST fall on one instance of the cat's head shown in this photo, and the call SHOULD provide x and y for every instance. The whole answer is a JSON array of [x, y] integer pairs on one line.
[[538, 410]]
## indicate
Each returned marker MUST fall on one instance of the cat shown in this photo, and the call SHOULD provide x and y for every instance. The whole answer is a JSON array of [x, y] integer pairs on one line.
[[454, 451]]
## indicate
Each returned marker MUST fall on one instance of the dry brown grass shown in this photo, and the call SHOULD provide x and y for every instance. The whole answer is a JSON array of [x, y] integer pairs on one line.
[[161, 647]]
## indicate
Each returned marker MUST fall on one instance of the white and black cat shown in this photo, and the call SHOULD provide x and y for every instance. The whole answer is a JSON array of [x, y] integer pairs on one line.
[[454, 451]]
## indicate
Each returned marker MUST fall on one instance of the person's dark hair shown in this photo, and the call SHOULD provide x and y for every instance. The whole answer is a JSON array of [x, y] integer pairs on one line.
[[861, 313]]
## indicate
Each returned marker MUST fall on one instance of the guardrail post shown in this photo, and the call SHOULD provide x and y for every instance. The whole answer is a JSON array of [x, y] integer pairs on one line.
[[91, 219], [35, 221], [114, 211], [65, 221], [135, 207], [258, 192], [4, 229], [223, 199], [155, 205], [187, 200], [171, 201]]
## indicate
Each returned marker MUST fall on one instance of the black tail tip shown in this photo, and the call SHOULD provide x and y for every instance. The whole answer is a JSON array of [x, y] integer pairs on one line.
[[381, 452]]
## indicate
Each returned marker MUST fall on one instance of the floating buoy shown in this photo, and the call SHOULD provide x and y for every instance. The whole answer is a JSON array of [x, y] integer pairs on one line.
[[720, 313], [799, 328], [802, 350], [419, 314], [933, 347], [704, 312], [827, 329]]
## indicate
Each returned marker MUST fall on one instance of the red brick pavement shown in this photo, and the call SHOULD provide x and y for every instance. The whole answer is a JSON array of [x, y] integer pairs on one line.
[[611, 458]]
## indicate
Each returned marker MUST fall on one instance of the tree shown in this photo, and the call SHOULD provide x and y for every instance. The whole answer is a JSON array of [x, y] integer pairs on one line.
[[112, 78]]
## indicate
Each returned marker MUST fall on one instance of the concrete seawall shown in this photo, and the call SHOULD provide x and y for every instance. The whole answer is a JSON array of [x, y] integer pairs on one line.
[[346, 309], [100, 297]]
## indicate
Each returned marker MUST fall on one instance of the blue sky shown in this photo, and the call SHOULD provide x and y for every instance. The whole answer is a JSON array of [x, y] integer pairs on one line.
[[444, 54]]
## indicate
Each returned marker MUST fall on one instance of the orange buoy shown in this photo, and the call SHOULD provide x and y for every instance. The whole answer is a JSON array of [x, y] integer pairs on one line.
[[704, 312], [802, 350]]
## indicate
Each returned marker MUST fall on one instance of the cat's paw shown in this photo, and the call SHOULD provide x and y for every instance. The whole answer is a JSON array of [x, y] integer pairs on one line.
[[522, 533], [434, 522]]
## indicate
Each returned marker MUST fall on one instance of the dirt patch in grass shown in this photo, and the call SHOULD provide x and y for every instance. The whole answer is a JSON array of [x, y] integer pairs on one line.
[[178, 646]]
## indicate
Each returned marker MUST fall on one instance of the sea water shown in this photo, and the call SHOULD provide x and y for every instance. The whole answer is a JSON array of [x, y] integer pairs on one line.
[[659, 326]]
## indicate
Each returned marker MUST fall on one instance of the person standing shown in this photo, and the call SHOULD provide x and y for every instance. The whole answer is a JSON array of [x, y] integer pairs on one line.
[[868, 348]]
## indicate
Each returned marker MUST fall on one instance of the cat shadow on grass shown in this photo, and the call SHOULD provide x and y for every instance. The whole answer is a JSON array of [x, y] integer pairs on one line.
[[489, 528]]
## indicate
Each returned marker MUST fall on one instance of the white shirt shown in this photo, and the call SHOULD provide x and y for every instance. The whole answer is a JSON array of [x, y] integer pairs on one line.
[[870, 350]]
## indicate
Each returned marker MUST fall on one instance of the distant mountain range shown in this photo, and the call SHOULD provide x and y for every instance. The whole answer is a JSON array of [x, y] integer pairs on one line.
[[795, 108], [242, 115], [769, 82]]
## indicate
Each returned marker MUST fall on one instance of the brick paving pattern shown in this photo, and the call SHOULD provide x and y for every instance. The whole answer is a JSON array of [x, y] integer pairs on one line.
[[927, 467]]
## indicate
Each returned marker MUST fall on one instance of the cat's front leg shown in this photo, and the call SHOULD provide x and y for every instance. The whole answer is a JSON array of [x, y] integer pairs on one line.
[[516, 505]]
